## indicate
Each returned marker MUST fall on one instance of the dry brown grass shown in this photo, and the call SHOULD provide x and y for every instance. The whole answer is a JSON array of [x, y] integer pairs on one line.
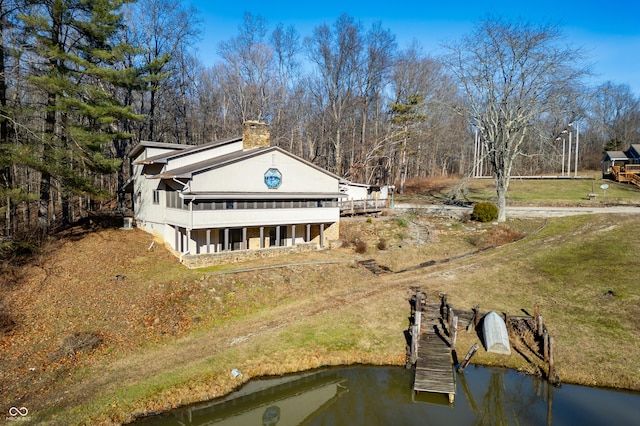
[[501, 235]]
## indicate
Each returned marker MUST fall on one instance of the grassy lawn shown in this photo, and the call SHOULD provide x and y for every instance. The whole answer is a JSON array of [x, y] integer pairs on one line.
[[545, 192]]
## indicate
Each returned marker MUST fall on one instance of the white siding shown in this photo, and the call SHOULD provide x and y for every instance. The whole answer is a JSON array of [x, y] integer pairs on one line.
[[248, 176], [257, 217], [354, 192]]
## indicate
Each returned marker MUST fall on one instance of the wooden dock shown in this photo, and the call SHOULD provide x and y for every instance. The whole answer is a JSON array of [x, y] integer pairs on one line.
[[430, 351]]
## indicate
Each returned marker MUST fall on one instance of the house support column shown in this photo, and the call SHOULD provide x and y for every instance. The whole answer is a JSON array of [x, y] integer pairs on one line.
[[225, 247], [176, 243], [322, 235], [188, 242], [308, 236], [208, 241], [293, 235], [244, 239], [262, 237], [278, 236]]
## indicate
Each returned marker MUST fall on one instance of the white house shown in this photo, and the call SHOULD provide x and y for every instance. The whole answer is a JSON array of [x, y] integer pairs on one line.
[[231, 195]]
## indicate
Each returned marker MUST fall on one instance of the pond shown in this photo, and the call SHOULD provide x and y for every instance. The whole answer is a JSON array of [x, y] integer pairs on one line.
[[365, 395]]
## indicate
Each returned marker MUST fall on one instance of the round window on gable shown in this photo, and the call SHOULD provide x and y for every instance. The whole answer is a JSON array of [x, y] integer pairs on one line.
[[273, 178]]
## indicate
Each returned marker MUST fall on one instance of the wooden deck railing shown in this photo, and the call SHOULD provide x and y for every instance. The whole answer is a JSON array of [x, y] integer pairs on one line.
[[627, 173], [362, 206]]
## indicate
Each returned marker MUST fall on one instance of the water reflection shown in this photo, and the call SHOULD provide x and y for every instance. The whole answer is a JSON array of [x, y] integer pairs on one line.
[[383, 396]]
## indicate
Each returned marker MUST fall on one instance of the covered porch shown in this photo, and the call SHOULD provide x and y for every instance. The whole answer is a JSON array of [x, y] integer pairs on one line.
[[227, 239]]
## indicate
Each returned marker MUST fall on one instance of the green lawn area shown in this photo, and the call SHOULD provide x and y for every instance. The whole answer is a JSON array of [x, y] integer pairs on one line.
[[549, 192]]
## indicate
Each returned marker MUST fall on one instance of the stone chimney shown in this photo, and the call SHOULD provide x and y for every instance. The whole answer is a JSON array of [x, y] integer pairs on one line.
[[255, 135]]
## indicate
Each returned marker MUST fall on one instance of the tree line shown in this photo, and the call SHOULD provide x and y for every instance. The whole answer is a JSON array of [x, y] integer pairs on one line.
[[82, 82]]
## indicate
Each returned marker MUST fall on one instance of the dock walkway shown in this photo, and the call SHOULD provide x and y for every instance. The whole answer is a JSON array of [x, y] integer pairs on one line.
[[431, 352]]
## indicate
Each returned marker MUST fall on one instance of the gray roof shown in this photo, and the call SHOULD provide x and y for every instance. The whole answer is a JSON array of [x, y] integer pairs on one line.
[[183, 150], [149, 144], [615, 155], [634, 150]]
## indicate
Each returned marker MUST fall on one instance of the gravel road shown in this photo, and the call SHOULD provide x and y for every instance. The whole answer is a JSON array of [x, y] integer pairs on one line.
[[457, 211]]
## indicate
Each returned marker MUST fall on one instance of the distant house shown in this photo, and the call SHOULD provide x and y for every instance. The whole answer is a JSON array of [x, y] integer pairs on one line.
[[611, 159], [634, 153], [238, 194], [614, 159]]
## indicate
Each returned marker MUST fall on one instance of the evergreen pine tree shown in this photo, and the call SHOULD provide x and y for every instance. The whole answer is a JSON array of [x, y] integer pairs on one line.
[[75, 67]]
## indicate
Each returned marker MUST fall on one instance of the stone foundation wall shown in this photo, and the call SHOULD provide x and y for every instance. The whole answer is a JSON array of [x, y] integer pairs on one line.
[[210, 259]]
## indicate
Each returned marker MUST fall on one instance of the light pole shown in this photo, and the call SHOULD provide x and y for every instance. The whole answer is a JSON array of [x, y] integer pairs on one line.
[[562, 161], [475, 154], [564, 132], [569, 157], [478, 155], [575, 168]]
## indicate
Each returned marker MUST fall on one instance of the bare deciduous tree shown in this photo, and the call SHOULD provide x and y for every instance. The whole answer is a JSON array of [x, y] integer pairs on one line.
[[163, 30], [248, 70], [512, 73], [615, 115], [335, 53]]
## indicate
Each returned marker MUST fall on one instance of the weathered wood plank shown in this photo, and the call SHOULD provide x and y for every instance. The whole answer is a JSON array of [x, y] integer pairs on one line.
[[434, 367]]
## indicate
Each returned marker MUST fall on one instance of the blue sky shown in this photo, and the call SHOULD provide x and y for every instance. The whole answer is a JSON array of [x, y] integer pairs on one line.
[[609, 31]]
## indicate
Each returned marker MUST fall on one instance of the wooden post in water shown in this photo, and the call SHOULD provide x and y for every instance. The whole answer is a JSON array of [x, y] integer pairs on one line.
[[549, 405], [545, 344], [467, 357]]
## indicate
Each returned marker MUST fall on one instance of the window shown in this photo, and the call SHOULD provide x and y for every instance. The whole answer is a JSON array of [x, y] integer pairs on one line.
[[156, 196], [174, 201]]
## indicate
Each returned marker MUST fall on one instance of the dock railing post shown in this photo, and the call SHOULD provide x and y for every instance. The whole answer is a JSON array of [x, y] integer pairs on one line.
[[476, 317], [552, 367], [414, 344], [443, 305], [539, 325], [454, 331]]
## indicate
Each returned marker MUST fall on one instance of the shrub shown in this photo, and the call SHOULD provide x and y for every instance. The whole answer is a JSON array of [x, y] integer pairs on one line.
[[503, 235], [476, 240], [361, 247], [485, 212], [382, 244], [401, 222]]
